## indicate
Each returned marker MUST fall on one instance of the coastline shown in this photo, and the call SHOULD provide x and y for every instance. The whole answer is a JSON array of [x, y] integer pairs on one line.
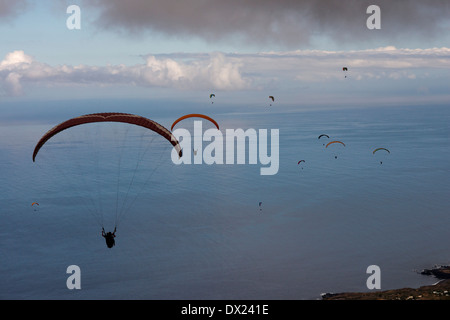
[[438, 291]]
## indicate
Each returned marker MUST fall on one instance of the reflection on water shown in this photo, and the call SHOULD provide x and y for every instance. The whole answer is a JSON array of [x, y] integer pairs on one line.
[[197, 231]]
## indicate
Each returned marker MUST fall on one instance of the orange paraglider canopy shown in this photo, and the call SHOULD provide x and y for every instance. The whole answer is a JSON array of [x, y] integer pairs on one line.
[[334, 142], [380, 149], [195, 115]]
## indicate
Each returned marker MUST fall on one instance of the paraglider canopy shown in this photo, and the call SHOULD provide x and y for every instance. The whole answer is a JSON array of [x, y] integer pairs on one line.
[[334, 142], [195, 115], [109, 117], [378, 149]]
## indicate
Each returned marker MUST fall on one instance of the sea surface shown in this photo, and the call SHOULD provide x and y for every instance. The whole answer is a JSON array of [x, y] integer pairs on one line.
[[222, 231]]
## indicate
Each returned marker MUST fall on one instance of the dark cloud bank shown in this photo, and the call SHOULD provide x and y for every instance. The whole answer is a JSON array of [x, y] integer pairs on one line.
[[291, 23], [10, 9]]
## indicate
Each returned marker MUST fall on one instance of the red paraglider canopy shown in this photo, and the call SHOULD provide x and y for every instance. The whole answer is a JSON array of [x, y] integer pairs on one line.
[[109, 117]]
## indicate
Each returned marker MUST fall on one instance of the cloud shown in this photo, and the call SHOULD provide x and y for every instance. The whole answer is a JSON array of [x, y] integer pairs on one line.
[[232, 72], [13, 59], [13, 66], [216, 71], [213, 71], [291, 23], [10, 9], [313, 66]]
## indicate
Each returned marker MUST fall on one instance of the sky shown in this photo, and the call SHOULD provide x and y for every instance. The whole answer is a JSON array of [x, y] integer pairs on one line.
[[248, 49]]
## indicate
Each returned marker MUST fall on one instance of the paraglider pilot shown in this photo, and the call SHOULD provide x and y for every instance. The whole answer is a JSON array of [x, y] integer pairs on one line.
[[109, 237]]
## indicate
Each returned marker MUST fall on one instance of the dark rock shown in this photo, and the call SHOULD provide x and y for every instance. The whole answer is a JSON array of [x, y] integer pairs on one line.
[[438, 291], [440, 272]]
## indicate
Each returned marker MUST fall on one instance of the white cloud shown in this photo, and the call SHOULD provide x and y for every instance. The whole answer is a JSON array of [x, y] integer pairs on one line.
[[12, 83], [14, 59], [214, 71], [217, 71], [220, 71]]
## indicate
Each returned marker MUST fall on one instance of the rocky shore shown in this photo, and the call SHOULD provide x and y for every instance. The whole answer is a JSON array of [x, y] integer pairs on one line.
[[438, 291]]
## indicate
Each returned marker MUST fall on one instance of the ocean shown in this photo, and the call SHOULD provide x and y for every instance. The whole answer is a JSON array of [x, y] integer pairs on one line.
[[222, 231]]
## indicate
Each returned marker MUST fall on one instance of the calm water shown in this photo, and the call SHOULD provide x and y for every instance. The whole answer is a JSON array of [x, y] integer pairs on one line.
[[198, 232]]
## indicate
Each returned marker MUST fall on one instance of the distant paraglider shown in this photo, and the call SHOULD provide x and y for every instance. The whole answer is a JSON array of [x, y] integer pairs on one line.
[[212, 95], [333, 142], [35, 206], [323, 135], [300, 162], [345, 69], [272, 98], [378, 149]]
